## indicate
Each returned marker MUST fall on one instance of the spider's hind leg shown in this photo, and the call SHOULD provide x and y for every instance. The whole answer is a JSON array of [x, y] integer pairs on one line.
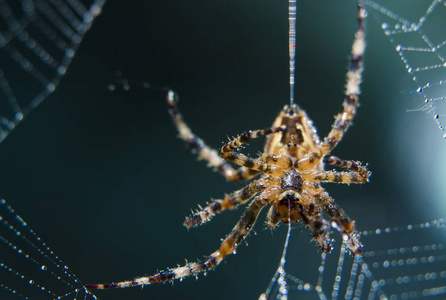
[[230, 201], [319, 228], [198, 146], [343, 224]]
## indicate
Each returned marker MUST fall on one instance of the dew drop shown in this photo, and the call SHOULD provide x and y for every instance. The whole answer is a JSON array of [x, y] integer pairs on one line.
[[19, 116]]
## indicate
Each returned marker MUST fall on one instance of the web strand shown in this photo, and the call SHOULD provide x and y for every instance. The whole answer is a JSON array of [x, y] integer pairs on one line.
[[292, 9]]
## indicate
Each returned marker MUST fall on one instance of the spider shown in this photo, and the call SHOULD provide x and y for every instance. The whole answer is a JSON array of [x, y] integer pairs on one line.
[[290, 171]]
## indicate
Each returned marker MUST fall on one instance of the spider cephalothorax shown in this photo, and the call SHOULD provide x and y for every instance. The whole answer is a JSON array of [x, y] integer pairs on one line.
[[290, 171]]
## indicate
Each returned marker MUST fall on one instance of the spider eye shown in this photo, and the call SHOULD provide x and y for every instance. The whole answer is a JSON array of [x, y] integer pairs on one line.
[[290, 110]]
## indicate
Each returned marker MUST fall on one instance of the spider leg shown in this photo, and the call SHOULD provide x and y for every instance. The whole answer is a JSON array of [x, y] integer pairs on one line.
[[351, 165], [344, 119], [334, 176], [318, 227], [342, 223], [228, 246], [354, 78], [230, 201], [272, 217], [229, 153], [198, 146]]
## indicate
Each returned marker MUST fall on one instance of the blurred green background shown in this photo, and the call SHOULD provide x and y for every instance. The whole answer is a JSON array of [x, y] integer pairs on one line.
[[103, 179]]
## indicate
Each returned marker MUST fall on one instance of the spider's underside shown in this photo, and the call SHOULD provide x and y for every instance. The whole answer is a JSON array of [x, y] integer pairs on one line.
[[290, 172]]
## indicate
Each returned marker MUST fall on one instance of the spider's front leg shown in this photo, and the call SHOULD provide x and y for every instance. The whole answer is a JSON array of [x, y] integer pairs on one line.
[[229, 152], [354, 78], [204, 152], [228, 246], [350, 104]]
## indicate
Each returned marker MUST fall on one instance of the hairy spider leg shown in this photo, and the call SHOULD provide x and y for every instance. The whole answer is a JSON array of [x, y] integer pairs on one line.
[[198, 146], [318, 227], [273, 217], [275, 165], [229, 153], [357, 169], [230, 201], [341, 221], [333, 176], [351, 165], [228, 246], [350, 104]]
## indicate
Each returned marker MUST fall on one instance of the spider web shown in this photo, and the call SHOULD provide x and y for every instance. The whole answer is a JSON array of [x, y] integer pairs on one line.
[[31, 270], [38, 40], [419, 38], [399, 262], [406, 262]]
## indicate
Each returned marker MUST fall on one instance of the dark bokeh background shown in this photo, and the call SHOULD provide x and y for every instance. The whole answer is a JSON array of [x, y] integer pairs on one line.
[[103, 179]]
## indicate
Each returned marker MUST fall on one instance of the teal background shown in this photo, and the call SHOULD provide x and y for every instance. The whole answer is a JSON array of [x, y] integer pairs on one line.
[[103, 179]]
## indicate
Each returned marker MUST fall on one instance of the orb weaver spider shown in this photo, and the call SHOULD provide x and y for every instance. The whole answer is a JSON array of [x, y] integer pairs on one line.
[[291, 169]]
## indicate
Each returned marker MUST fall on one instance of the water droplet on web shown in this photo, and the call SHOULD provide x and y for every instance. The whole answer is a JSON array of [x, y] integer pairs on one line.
[[19, 116], [50, 87]]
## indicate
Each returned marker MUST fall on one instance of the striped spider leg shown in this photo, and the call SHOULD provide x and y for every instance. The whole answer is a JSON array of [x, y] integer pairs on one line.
[[291, 171]]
